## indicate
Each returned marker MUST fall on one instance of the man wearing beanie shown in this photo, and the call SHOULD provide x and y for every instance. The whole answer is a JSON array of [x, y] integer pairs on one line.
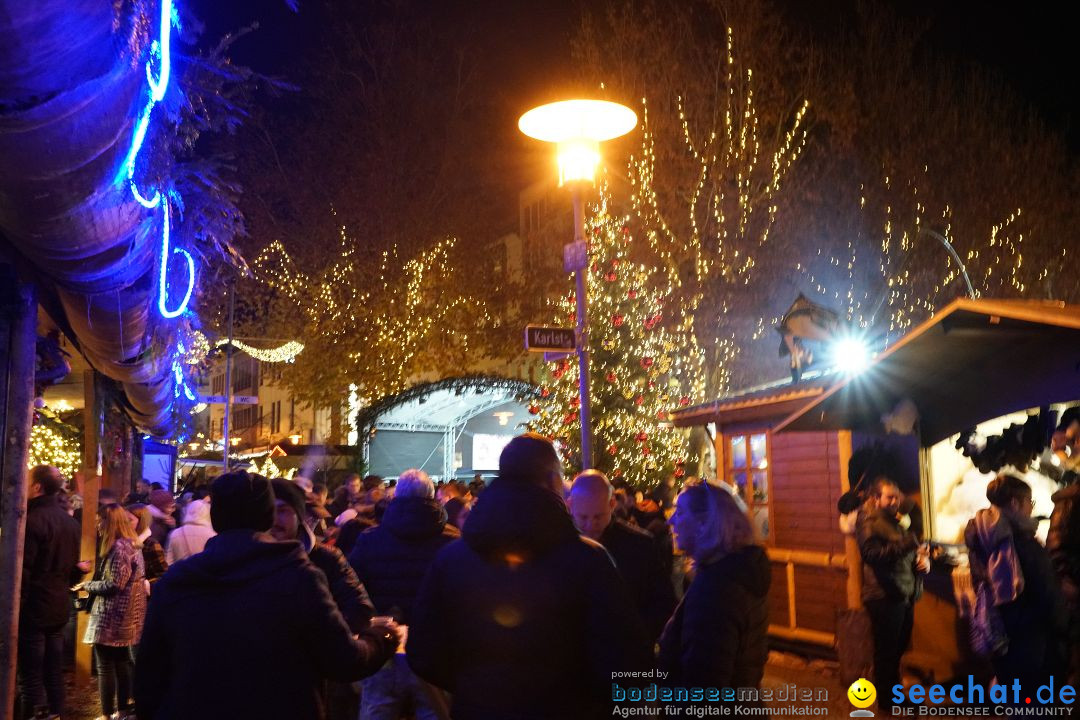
[[247, 628], [522, 617]]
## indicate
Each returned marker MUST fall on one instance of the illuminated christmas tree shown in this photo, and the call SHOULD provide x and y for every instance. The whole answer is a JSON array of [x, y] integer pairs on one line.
[[645, 362]]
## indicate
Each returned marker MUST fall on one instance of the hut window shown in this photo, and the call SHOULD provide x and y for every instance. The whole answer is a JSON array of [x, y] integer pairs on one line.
[[747, 470]]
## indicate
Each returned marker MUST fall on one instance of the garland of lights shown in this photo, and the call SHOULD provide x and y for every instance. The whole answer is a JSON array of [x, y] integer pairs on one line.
[[284, 353]]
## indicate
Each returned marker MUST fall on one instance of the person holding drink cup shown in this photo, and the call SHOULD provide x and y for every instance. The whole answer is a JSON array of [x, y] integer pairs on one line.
[[892, 562]]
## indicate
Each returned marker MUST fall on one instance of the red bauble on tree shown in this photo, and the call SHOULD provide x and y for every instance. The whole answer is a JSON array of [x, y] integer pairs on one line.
[[610, 377], [613, 449], [534, 409], [617, 320], [646, 362]]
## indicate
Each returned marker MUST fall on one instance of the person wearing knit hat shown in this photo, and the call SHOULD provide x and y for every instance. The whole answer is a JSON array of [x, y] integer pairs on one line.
[[245, 609], [349, 594], [241, 501]]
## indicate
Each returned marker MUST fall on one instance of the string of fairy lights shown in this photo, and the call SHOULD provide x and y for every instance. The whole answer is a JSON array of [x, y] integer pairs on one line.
[[382, 325], [887, 282], [732, 187], [644, 362]]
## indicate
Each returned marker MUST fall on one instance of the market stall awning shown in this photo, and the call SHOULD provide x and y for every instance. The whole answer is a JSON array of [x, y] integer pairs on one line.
[[974, 360]]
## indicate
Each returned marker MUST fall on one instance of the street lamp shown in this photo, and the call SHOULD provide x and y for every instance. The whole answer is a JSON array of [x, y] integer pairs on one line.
[[578, 127]]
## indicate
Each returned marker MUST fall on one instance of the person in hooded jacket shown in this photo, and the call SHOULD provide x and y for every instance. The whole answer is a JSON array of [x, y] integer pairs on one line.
[[190, 538], [717, 635], [391, 559], [247, 628], [523, 618], [1005, 554]]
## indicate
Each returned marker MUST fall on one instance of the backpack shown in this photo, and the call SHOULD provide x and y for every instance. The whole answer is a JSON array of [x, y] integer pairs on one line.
[[987, 630]]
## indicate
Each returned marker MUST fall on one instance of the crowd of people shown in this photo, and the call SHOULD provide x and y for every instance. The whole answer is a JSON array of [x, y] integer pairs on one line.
[[518, 598], [1022, 604]]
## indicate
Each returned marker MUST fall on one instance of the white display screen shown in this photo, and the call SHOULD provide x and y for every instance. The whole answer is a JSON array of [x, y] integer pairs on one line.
[[486, 450]]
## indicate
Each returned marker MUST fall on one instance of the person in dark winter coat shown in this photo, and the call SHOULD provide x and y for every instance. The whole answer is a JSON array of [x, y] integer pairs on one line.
[[1063, 544], [50, 567], [247, 628], [891, 584], [392, 559], [1004, 553], [348, 592], [635, 551], [522, 617], [717, 636]]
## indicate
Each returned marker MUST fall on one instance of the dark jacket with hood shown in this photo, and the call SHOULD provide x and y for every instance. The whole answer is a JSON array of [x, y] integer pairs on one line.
[[50, 556], [246, 629], [717, 636], [392, 557], [888, 553], [524, 619]]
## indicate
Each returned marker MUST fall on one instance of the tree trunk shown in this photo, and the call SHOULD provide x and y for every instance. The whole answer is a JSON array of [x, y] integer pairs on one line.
[[18, 341]]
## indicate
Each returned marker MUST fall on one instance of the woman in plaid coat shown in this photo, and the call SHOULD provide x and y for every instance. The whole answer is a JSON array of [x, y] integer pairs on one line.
[[119, 607]]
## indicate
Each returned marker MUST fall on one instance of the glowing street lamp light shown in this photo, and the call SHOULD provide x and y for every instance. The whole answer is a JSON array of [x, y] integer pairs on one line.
[[578, 127]]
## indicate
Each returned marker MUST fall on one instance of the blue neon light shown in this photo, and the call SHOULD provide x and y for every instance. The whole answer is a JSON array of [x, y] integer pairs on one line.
[[161, 56], [163, 276]]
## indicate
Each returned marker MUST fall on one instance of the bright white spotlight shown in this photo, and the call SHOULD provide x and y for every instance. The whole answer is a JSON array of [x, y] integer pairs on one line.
[[850, 355]]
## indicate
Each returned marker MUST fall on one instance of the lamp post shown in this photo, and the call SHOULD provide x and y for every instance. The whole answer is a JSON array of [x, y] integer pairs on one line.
[[578, 127]]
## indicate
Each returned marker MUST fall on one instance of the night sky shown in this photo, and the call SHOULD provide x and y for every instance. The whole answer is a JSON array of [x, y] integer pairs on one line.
[[1032, 45], [522, 50]]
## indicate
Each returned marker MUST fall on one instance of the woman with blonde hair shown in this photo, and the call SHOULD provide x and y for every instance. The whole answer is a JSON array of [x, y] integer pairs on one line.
[[119, 607], [716, 637]]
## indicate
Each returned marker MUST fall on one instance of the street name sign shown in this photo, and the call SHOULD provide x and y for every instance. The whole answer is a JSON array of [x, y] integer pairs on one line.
[[575, 256], [540, 338], [236, 399]]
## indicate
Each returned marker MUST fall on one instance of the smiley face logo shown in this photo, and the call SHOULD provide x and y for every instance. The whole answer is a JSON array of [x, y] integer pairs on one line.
[[862, 693]]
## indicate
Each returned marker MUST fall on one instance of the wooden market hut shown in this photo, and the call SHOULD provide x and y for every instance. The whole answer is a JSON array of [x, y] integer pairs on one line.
[[791, 484], [975, 360]]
